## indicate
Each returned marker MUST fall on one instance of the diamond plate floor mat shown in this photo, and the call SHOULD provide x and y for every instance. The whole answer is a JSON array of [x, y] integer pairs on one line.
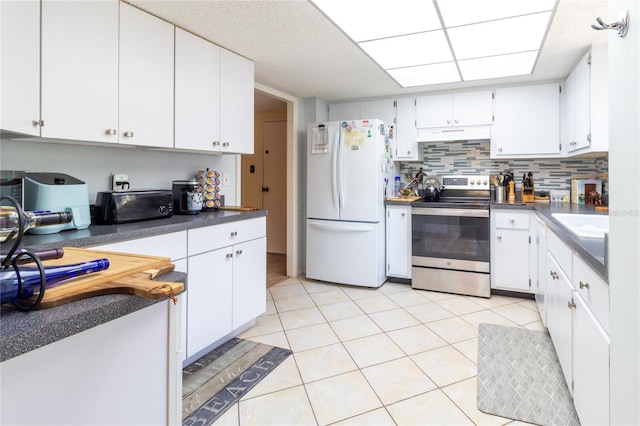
[[519, 377]]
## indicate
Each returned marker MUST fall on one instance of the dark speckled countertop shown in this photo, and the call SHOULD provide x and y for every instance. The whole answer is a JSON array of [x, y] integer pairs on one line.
[[591, 250], [106, 234], [21, 332]]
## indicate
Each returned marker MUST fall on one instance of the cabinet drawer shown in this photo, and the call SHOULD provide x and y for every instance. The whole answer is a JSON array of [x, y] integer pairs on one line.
[[173, 246], [561, 252], [512, 221], [213, 237], [593, 290]]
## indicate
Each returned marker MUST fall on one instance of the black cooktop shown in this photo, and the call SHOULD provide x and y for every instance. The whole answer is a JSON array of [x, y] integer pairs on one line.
[[458, 198]]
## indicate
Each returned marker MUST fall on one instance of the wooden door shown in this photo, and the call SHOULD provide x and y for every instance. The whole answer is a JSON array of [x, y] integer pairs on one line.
[[274, 184]]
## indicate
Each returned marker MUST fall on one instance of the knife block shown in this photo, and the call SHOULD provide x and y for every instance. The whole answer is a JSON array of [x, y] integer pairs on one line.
[[528, 194]]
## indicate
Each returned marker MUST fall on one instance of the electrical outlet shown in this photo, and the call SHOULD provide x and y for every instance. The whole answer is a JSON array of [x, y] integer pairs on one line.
[[119, 182], [226, 181]]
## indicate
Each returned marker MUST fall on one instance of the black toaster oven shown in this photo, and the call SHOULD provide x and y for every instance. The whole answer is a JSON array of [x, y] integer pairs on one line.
[[133, 206]]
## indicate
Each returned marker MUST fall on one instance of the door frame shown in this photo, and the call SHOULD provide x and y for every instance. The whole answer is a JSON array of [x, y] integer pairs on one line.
[[293, 177]]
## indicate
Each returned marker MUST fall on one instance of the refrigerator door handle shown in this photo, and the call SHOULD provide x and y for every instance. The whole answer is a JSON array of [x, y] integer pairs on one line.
[[343, 226], [340, 170], [334, 170]]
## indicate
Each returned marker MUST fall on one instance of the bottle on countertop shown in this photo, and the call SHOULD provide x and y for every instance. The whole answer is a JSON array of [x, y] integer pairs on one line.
[[45, 254], [397, 186], [28, 278], [10, 220]]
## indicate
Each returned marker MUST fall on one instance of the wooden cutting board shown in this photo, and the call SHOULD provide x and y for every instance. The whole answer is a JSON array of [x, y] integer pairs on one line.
[[238, 208], [127, 274], [408, 199]]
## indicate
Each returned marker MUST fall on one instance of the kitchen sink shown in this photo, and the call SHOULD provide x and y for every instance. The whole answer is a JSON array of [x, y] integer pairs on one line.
[[584, 225]]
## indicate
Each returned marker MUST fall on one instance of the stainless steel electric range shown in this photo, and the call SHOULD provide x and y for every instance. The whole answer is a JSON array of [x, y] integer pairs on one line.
[[450, 237]]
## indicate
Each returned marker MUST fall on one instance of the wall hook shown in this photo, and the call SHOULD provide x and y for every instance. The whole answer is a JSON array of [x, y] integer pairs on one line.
[[622, 25]]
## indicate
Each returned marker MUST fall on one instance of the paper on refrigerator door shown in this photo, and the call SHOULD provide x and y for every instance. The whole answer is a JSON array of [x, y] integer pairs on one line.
[[321, 143], [355, 138]]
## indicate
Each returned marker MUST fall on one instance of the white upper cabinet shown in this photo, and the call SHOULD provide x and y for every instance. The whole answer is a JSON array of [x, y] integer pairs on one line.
[[586, 107], [20, 59], [384, 110], [404, 132], [236, 103], [527, 122], [197, 93], [345, 111], [146, 79], [454, 109], [79, 93]]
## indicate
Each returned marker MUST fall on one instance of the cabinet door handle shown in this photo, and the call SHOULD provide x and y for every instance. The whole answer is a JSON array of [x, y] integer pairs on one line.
[[571, 304], [584, 285], [128, 134], [238, 251], [225, 143], [499, 237], [500, 149], [448, 121], [234, 233], [403, 214], [38, 123], [110, 132], [512, 221], [455, 121], [216, 143], [554, 275], [229, 255]]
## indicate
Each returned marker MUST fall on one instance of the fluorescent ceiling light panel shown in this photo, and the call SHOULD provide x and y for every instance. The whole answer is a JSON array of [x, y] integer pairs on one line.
[[417, 46], [498, 66], [510, 35], [404, 51], [426, 74], [373, 19], [462, 12]]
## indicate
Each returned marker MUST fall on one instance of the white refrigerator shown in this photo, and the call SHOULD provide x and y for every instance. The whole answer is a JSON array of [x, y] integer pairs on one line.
[[348, 168]]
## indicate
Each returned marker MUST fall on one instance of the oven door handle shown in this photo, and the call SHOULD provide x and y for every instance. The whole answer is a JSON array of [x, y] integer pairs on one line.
[[426, 211]]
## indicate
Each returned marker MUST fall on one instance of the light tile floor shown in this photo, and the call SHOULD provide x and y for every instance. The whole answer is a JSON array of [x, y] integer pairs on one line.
[[386, 356]]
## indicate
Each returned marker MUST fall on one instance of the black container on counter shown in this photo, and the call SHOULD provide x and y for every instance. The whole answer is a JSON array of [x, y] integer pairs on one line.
[[187, 197]]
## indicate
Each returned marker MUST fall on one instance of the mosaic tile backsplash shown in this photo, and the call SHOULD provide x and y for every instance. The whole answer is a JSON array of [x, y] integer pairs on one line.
[[473, 158]]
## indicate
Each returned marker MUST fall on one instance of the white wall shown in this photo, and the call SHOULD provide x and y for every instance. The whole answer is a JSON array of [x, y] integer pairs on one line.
[[94, 164], [624, 201]]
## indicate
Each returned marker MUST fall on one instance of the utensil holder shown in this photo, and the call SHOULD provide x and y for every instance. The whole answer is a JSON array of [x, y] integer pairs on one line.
[[500, 193]]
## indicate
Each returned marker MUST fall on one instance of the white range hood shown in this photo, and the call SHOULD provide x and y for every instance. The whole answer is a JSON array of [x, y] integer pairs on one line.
[[450, 134]]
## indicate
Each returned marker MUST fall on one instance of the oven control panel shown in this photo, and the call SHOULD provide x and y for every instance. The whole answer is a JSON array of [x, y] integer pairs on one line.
[[466, 182]]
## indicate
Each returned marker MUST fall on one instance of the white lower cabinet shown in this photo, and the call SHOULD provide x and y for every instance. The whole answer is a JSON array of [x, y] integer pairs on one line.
[[227, 281], [249, 281], [590, 366], [398, 229], [226, 285], [559, 320], [129, 363], [541, 269], [209, 314], [511, 251], [576, 301]]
